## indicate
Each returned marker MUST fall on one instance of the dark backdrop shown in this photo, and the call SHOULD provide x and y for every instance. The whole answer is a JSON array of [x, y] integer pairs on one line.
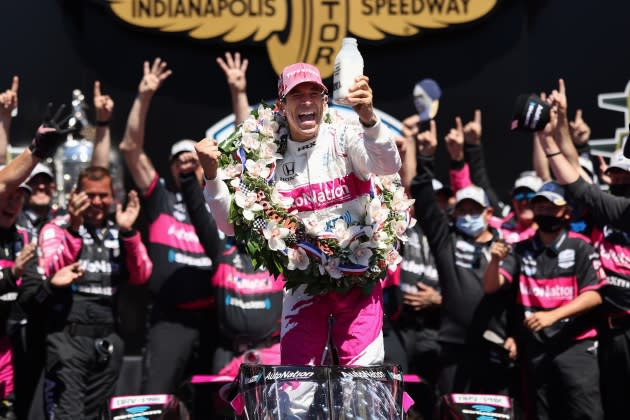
[[524, 46]]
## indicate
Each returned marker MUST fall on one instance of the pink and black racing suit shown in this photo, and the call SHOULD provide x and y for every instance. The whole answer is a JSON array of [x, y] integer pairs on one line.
[[328, 177]]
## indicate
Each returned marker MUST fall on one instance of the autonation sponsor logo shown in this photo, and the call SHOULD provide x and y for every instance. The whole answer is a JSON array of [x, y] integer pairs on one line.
[[289, 374], [325, 195], [174, 256], [550, 292], [364, 374], [182, 234]]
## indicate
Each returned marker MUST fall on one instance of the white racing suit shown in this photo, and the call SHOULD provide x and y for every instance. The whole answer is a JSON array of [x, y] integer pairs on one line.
[[329, 177]]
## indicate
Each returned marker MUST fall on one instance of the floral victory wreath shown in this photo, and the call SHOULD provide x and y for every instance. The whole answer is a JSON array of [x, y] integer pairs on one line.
[[335, 258]]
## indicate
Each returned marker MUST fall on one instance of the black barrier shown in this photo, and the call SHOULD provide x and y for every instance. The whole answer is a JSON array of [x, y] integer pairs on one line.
[[320, 392], [144, 407]]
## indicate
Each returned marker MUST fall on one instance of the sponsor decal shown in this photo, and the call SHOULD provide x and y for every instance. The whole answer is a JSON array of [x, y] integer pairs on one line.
[[486, 415], [176, 257], [99, 266], [306, 147], [94, 289], [138, 413], [547, 291], [288, 170], [363, 374], [127, 401], [183, 233], [566, 258], [9, 297], [494, 400], [327, 194], [293, 31], [254, 378], [289, 374], [618, 282], [252, 304]]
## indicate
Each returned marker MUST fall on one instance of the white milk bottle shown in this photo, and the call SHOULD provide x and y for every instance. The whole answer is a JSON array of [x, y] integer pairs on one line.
[[348, 65]]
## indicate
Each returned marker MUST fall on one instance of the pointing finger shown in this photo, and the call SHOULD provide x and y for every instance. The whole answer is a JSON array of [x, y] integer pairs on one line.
[[458, 124], [478, 116], [15, 84], [561, 87], [97, 89]]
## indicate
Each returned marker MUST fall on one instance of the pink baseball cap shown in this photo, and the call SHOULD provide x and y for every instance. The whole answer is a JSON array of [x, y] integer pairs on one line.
[[297, 73]]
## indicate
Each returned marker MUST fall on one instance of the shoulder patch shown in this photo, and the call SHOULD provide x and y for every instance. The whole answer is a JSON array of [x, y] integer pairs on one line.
[[566, 258]]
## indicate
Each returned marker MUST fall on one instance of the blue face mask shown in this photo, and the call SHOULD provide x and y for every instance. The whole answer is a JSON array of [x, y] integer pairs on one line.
[[471, 225]]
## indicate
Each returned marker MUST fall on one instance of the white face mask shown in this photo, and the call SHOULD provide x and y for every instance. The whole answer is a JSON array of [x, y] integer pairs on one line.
[[471, 225]]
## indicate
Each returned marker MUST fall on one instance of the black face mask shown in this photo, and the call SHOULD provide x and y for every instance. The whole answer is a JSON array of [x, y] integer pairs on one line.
[[620, 190], [549, 224]]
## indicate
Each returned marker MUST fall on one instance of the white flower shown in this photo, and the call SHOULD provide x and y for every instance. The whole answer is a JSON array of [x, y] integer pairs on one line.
[[250, 141], [392, 259], [267, 130], [248, 203], [400, 202], [391, 182], [236, 183], [278, 199], [344, 233], [376, 212], [379, 239], [361, 253], [257, 168], [412, 222], [297, 259], [275, 234], [312, 225], [232, 171], [265, 113], [332, 268], [249, 125], [400, 227], [269, 152]]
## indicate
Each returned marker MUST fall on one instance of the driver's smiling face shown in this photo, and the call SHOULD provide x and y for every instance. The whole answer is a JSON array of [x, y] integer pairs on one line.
[[304, 109]]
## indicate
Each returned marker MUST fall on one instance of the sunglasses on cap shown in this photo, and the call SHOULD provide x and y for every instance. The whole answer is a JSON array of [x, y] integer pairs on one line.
[[524, 196]]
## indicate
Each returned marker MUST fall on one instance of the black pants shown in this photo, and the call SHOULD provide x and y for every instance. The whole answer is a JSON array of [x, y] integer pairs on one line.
[[394, 347], [466, 368], [77, 383], [614, 365], [29, 353], [178, 344], [563, 382]]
